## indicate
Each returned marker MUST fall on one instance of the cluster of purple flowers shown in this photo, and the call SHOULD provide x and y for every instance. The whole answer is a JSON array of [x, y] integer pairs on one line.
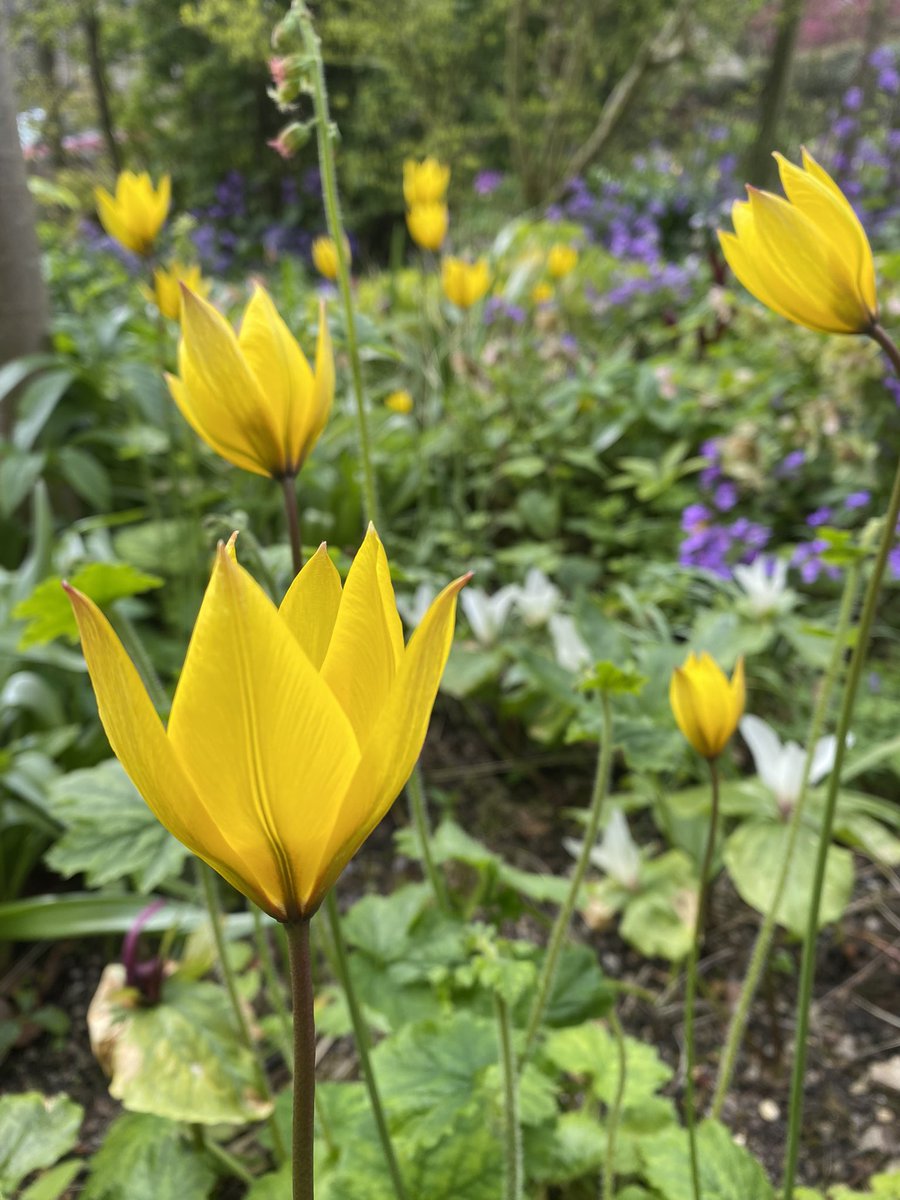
[[218, 244], [496, 308], [717, 546]]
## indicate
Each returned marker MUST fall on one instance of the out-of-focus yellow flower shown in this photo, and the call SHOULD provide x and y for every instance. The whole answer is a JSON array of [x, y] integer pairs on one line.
[[542, 293], [561, 260], [292, 729], [427, 224], [325, 256], [166, 290], [137, 212], [425, 182], [465, 283], [252, 397], [707, 705], [400, 401], [806, 257]]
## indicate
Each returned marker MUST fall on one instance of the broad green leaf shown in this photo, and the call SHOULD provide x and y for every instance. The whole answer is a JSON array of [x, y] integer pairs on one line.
[[36, 403], [580, 989], [754, 854], [470, 669], [86, 475], [51, 1184], [51, 917], [182, 1058], [148, 1158], [49, 613], [659, 923], [727, 1171], [167, 546], [590, 1051], [18, 474], [110, 833], [35, 1132], [575, 1146]]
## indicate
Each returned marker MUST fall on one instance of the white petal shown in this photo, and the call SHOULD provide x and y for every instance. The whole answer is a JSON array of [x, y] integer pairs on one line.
[[823, 758], [765, 746]]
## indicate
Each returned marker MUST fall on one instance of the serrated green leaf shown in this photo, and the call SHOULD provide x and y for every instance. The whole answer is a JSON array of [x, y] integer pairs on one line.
[[147, 1158], [590, 1051], [110, 833], [580, 990], [35, 1131], [49, 613], [727, 1171], [575, 1146]]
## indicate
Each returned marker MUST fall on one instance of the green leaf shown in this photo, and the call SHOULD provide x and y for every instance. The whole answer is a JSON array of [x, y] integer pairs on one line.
[[86, 475], [754, 854], [182, 1058], [19, 472], [35, 1131], [51, 917], [590, 1051], [607, 677], [580, 990], [36, 403], [51, 1184], [49, 612], [727, 1171], [110, 833], [659, 923], [147, 1158], [575, 1146], [167, 546]]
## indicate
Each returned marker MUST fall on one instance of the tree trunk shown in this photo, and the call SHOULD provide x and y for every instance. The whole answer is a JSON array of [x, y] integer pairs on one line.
[[90, 23], [760, 166], [24, 310]]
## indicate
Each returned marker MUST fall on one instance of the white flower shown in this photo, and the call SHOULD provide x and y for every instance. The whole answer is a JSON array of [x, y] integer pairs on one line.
[[569, 647], [413, 608], [764, 584], [780, 766], [617, 855], [487, 614], [538, 599]]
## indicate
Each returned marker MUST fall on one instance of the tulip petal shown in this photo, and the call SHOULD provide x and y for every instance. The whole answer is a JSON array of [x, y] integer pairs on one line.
[[746, 270], [324, 382], [282, 374], [229, 449], [310, 606], [139, 741], [367, 643], [397, 736], [114, 221], [257, 729]]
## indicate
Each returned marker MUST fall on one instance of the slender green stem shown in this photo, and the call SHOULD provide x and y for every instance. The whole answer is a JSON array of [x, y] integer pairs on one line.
[[208, 878], [232, 1165], [854, 674], [292, 513], [325, 134], [615, 1110], [415, 791], [361, 1034], [513, 1173], [564, 916], [690, 993], [766, 932], [303, 1125], [273, 985]]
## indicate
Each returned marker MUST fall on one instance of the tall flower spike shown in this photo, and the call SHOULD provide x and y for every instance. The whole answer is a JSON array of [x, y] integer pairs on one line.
[[707, 705], [806, 257], [252, 396], [137, 211], [293, 729]]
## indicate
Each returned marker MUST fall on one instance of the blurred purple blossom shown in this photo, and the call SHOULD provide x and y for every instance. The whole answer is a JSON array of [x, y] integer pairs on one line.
[[853, 99], [487, 182], [791, 463], [857, 500], [820, 516]]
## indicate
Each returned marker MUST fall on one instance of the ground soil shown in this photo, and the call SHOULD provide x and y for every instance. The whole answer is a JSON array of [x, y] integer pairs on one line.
[[516, 800]]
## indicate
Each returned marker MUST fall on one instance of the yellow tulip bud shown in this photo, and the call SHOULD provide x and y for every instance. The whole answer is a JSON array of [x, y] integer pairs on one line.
[[425, 182], [166, 292], [707, 706], [325, 256], [293, 729], [806, 257], [465, 283], [427, 224], [399, 402], [542, 293], [252, 396], [137, 212], [561, 260]]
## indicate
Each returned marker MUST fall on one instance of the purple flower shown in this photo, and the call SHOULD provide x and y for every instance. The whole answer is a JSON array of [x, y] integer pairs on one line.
[[487, 182], [821, 516], [844, 127], [892, 383], [791, 463], [725, 496], [889, 81], [853, 99], [857, 500], [882, 58], [694, 515]]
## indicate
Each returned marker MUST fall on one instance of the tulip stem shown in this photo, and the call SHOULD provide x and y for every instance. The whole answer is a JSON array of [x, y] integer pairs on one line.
[[361, 1035], [292, 511], [880, 335], [325, 135], [215, 919], [615, 1109], [690, 992], [763, 942], [513, 1173], [854, 674], [564, 916], [303, 1125], [415, 790]]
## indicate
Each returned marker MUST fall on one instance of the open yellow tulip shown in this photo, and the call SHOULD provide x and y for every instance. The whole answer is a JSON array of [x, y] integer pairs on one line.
[[252, 397], [425, 182], [464, 283], [293, 729], [806, 257], [707, 706], [137, 212]]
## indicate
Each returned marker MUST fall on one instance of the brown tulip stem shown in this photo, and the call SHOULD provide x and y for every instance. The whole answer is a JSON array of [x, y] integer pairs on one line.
[[304, 1119], [880, 335], [690, 990], [292, 512]]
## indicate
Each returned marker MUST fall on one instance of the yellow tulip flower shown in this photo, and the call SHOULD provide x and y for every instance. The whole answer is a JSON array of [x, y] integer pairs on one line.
[[325, 257], [292, 730], [806, 257], [561, 260], [542, 293], [137, 212], [465, 283], [166, 291], [252, 396], [399, 402], [427, 224], [707, 706], [425, 182]]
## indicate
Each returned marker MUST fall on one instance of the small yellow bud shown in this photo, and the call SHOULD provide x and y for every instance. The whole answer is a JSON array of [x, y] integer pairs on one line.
[[399, 402], [561, 260], [707, 705]]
